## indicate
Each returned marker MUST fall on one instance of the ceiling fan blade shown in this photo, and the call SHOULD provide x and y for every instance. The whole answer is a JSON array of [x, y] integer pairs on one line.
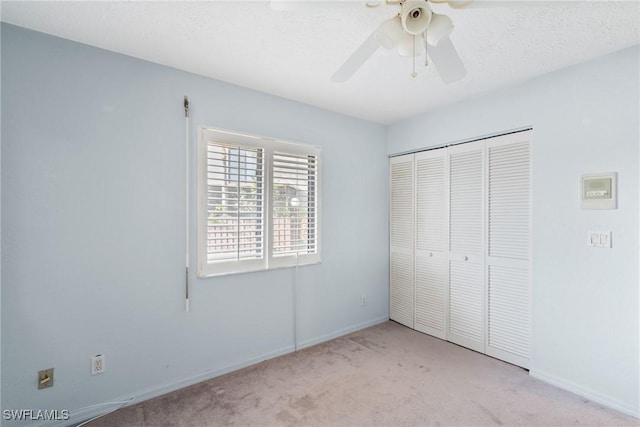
[[482, 4], [285, 5], [357, 59], [456, 4], [446, 60]]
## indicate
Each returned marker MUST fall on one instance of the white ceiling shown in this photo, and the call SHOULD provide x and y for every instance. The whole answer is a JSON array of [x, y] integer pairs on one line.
[[293, 53]]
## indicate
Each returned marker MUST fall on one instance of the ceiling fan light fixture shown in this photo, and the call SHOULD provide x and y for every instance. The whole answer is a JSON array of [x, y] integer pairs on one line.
[[439, 27], [459, 4], [411, 45], [390, 33], [373, 3], [415, 31], [415, 16]]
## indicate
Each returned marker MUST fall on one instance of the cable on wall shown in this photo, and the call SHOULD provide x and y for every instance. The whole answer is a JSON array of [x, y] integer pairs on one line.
[[122, 404], [295, 305], [186, 204], [296, 283]]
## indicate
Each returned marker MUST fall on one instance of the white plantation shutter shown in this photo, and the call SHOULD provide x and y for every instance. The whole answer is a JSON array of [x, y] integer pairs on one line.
[[509, 307], [466, 245], [234, 202], [294, 204], [238, 177], [402, 240], [430, 248]]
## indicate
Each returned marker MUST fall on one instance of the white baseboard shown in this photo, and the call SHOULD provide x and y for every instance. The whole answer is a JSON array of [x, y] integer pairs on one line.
[[592, 395], [342, 332], [77, 417], [146, 394]]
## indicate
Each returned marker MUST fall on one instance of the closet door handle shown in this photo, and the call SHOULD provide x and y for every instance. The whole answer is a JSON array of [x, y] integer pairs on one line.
[[466, 258], [430, 253]]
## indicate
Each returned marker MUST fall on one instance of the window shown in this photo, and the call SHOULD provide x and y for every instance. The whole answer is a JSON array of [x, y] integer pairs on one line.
[[258, 203]]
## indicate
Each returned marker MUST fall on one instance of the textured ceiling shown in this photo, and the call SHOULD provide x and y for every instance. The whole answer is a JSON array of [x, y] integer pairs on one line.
[[293, 53]]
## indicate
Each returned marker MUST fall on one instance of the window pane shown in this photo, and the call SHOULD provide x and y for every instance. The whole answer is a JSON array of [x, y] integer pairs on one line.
[[294, 204], [234, 202]]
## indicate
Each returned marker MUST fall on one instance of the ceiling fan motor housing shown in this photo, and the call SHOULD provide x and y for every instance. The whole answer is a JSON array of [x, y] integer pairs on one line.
[[416, 16]]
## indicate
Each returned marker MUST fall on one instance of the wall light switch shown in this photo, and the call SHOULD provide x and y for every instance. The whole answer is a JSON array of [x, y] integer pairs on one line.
[[599, 239]]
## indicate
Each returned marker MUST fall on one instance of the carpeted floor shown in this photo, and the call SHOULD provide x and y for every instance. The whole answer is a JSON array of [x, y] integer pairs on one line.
[[386, 375]]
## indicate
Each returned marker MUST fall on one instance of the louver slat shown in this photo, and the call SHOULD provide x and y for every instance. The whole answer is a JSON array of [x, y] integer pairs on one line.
[[509, 309], [431, 226], [402, 289], [465, 301], [465, 204], [402, 205], [466, 246], [430, 295], [509, 201], [402, 240], [430, 204]]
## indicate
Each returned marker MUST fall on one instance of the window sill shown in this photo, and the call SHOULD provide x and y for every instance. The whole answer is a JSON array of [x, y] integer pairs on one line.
[[255, 270]]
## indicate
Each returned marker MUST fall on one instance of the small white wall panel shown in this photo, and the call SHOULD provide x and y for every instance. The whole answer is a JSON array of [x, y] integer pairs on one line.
[[431, 236], [508, 260], [466, 246], [402, 240]]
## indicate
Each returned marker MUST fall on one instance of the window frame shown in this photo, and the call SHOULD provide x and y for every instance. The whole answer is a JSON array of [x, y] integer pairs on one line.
[[269, 147]]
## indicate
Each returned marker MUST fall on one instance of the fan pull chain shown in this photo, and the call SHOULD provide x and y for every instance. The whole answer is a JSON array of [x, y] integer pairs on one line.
[[414, 74], [426, 46]]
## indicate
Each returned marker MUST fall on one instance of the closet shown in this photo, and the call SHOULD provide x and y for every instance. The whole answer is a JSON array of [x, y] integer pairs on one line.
[[460, 244]]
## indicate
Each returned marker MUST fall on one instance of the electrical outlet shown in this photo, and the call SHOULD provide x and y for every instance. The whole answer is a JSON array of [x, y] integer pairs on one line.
[[45, 378], [363, 300], [97, 364]]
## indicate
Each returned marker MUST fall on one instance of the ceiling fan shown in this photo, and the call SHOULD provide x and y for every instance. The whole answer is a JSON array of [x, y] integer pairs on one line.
[[416, 30]]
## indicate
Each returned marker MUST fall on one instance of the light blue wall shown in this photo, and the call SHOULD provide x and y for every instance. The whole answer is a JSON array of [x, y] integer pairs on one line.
[[92, 228], [586, 304]]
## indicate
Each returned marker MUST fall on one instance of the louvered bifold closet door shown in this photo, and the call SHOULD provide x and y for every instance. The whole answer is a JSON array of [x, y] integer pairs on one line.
[[431, 243], [466, 246], [402, 239], [508, 257]]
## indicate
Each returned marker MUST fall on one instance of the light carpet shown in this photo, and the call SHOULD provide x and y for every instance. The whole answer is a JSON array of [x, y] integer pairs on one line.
[[386, 375]]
